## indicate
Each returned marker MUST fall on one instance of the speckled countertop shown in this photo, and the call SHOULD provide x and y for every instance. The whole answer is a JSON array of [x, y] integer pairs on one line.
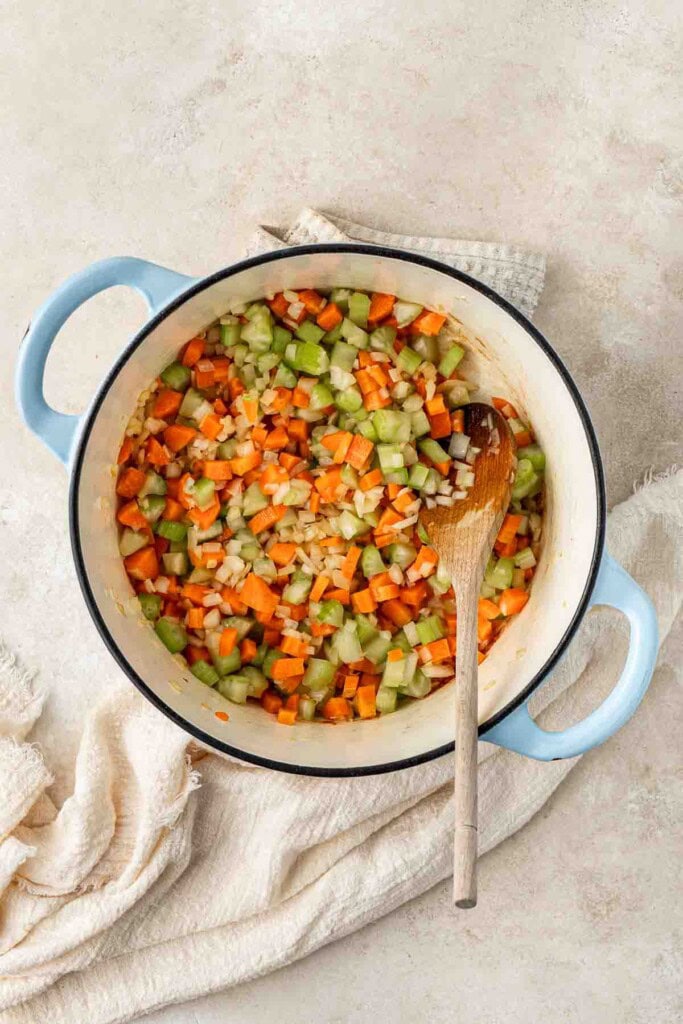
[[168, 130]]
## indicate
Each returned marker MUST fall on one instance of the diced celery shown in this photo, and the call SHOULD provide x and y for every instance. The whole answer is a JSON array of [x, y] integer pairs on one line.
[[420, 424], [349, 401], [311, 359], [284, 378], [429, 629], [306, 708], [200, 575], [196, 536], [367, 429], [343, 356], [241, 623], [365, 630], [402, 640], [258, 333], [150, 605], [321, 397], [298, 589], [271, 657], [525, 559], [526, 479], [535, 456], [391, 426], [265, 568], [267, 362], [486, 590], [433, 450], [152, 507], [375, 650], [331, 612], [427, 346], [401, 554], [130, 542], [260, 655], [347, 643], [394, 673], [154, 484], [281, 339], [171, 634], [397, 476], [382, 339], [231, 334], [176, 376], [204, 672], [248, 379], [499, 573], [333, 335], [309, 331], [417, 686], [256, 310], [288, 519], [318, 674], [234, 688], [359, 307], [254, 500], [175, 563], [371, 561], [451, 360], [203, 492], [349, 475], [171, 530], [441, 580], [298, 493], [191, 401], [354, 334], [390, 457], [385, 701], [419, 474], [405, 312], [422, 534], [340, 297], [408, 361], [351, 526], [227, 449], [256, 680]]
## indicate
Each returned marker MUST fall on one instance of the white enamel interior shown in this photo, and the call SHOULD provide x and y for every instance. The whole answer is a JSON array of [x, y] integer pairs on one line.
[[508, 361]]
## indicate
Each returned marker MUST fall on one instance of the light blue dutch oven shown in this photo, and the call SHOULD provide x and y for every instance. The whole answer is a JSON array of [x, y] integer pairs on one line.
[[508, 357]]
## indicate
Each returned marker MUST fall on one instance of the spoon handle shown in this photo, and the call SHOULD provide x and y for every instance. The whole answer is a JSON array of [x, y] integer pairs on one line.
[[466, 742]]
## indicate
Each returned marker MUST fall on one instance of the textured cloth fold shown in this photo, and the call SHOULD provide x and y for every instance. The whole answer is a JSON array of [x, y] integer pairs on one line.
[[141, 889]]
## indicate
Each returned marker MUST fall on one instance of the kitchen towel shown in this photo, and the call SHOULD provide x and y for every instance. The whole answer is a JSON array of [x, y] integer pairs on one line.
[[142, 890]]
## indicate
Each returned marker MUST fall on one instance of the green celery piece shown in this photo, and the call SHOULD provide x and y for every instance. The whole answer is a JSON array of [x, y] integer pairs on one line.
[[285, 377], [525, 559], [526, 479], [309, 331], [451, 360], [349, 401], [371, 561], [390, 457], [405, 312], [204, 491], [367, 429], [321, 397], [376, 649], [318, 674], [332, 335], [429, 629], [499, 573], [175, 563], [399, 476], [176, 376], [281, 339], [298, 589], [331, 612], [422, 534], [267, 362], [191, 401], [427, 346], [365, 630], [391, 426], [346, 642], [354, 334], [241, 623], [171, 530], [256, 680], [359, 308], [231, 334], [420, 425], [254, 500], [351, 526], [204, 672], [171, 634], [385, 701], [401, 554], [154, 484], [408, 361], [382, 339], [234, 688], [394, 673], [130, 541], [418, 686], [312, 359], [256, 310], [343, 356], [307, 708], [433, 450], [534, 454], [152, 507], [150, 605], [340, 297], [349, 475], [258, 333]]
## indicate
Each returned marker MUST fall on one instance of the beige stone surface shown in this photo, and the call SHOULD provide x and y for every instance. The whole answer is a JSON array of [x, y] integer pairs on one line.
[[167, 130]]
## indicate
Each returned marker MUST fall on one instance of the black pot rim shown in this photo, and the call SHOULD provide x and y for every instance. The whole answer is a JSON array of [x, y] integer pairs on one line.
[[236, 268]]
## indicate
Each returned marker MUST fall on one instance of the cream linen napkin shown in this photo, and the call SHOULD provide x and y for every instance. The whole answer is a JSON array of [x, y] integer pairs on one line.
[[138, 892]]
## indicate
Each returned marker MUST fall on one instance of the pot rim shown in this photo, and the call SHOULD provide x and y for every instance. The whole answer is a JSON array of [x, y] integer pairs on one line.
[[230, 271]]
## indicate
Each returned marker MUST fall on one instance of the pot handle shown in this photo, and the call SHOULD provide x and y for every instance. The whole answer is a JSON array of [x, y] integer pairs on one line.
[[519, 732], [156, 284]]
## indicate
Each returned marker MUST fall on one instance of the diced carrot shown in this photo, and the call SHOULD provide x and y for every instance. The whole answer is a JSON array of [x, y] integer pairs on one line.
[[173, 486], [523, 438], [278, 305], [369, 480], [359, 452], [508, 530], [211, 426], [266, 518], [458, 421], [271, 701], [194, 592], [484, 629], [292, 645], [250, 406], [366, 701], [298, 612], [236, 388], [276, 440], [329, 317], [195, 654], [350, 685], [257, 595], [204, 376], [314, 502], [143, 564], [487, 609], [439, 425], [363, 601], [506, 550], [508, 410], [336, 709], [281, 553], [156, 454], [416, 595], [286, 716], [364, 358], [387, 592], [273, 477], [177, 436], [193, 352], [365, 665], [227, 642], [242, 464], [395, 654], [427, 323], [350, 562], [383, 539], [381, 306], [338, 595], [204, 517], [312, 301], [230, 597], [298, 429], [130, 515], [328, 482], [425, 563], [130, 482], [436, 651], [403, 501], [285, 668], [379, 375], [195, 618], [166, 403], [161, 546], [217, 469], [512, 600], [248, 650], [300, 398], [319, 587], [219, 407], [322, 629], [376, 400], [365, 382], [397, 612], [388, 518], [283, 397], [333, 441], [331, 542], [125, 451]]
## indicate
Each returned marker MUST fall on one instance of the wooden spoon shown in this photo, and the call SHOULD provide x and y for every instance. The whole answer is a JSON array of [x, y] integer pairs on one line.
[[463, 536]]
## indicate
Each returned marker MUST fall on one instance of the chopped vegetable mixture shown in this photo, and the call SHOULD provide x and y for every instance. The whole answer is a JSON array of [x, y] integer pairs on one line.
[[270, 482]]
